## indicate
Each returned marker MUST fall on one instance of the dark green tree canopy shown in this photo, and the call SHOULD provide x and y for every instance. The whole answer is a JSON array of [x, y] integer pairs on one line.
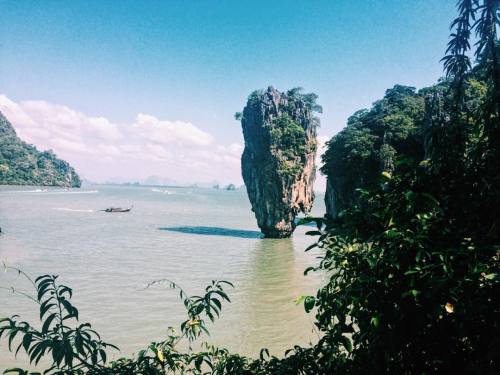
[[372, 140]]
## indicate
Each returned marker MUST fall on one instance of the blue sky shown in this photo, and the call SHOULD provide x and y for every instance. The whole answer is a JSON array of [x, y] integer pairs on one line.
[[195, 62]]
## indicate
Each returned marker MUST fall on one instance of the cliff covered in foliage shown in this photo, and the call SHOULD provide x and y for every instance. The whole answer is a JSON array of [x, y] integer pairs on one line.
[[278, 162], [371, 142], [399, 128], [23, 164]]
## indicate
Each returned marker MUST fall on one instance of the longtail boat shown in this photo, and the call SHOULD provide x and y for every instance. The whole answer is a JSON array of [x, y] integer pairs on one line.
[[117, 209]]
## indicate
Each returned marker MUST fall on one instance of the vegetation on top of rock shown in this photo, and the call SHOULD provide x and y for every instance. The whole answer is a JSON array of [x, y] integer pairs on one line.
[[297, 93], [23, 164], [289, 143], [288, 139]]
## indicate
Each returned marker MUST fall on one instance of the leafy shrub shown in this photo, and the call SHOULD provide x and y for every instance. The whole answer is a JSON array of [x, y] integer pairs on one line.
[[75, 348]]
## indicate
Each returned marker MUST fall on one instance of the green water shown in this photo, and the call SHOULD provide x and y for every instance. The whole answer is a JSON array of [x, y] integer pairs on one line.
[[188, 235]]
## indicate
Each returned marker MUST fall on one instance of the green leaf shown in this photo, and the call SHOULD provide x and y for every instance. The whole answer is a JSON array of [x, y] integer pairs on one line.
[[12, 335], [102, 353], [392, 233], [16, 370], [412, 292], [346, 343], [46, 306], [39, 278], [386, 176], [27, 339], [411, 272], [310, 247], [64, 289], [48, 321], [309, 302], [43, 288], [309, 269], [263, 352], [299, 299]]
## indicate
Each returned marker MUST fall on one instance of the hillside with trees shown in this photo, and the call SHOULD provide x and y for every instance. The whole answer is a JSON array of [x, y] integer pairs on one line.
[[23, 164], [371, 143]]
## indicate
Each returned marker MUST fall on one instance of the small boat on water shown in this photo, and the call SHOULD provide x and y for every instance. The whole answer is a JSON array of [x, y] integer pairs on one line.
[[117, 209]]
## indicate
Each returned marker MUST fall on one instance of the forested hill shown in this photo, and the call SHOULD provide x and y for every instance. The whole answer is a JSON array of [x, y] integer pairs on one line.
[[372, 141], [23, 164]]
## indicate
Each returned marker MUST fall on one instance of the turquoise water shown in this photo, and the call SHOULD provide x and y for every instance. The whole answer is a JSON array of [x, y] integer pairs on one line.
[[188, 235]]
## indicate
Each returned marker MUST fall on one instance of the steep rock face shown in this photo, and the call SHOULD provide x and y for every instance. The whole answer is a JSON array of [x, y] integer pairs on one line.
[[23, 164], [278, 162]]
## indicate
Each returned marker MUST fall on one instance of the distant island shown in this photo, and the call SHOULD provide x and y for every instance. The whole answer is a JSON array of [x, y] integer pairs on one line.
[[229, 187], [23, 164]]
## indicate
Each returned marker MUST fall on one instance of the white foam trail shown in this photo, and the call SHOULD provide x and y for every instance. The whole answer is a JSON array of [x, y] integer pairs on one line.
[[26, 191], [162, 191], [71, 209], [46, 191], [73, 192]]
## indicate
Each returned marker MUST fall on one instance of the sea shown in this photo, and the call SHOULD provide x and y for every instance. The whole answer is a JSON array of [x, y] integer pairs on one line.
[[190, 236]]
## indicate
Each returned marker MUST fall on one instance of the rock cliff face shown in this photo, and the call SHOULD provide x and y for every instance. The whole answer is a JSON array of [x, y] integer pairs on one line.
[[23, 164], [278, 162]]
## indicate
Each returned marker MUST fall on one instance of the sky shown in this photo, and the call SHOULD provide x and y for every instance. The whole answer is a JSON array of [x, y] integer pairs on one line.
[[125, 90]]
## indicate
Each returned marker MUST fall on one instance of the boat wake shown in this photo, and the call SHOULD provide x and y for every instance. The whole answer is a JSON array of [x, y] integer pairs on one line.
[[47, 191], [73, 192], [155, 190], [27, 191], [71, 209]]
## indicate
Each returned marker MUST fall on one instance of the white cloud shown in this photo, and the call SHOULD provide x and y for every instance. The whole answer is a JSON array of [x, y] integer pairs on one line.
[[37, 119], [157, 151], [68, 145], [131, 149], [109, 150], [234, 149], [14, 112], [168, 132], [105, 129], [102, 150]]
